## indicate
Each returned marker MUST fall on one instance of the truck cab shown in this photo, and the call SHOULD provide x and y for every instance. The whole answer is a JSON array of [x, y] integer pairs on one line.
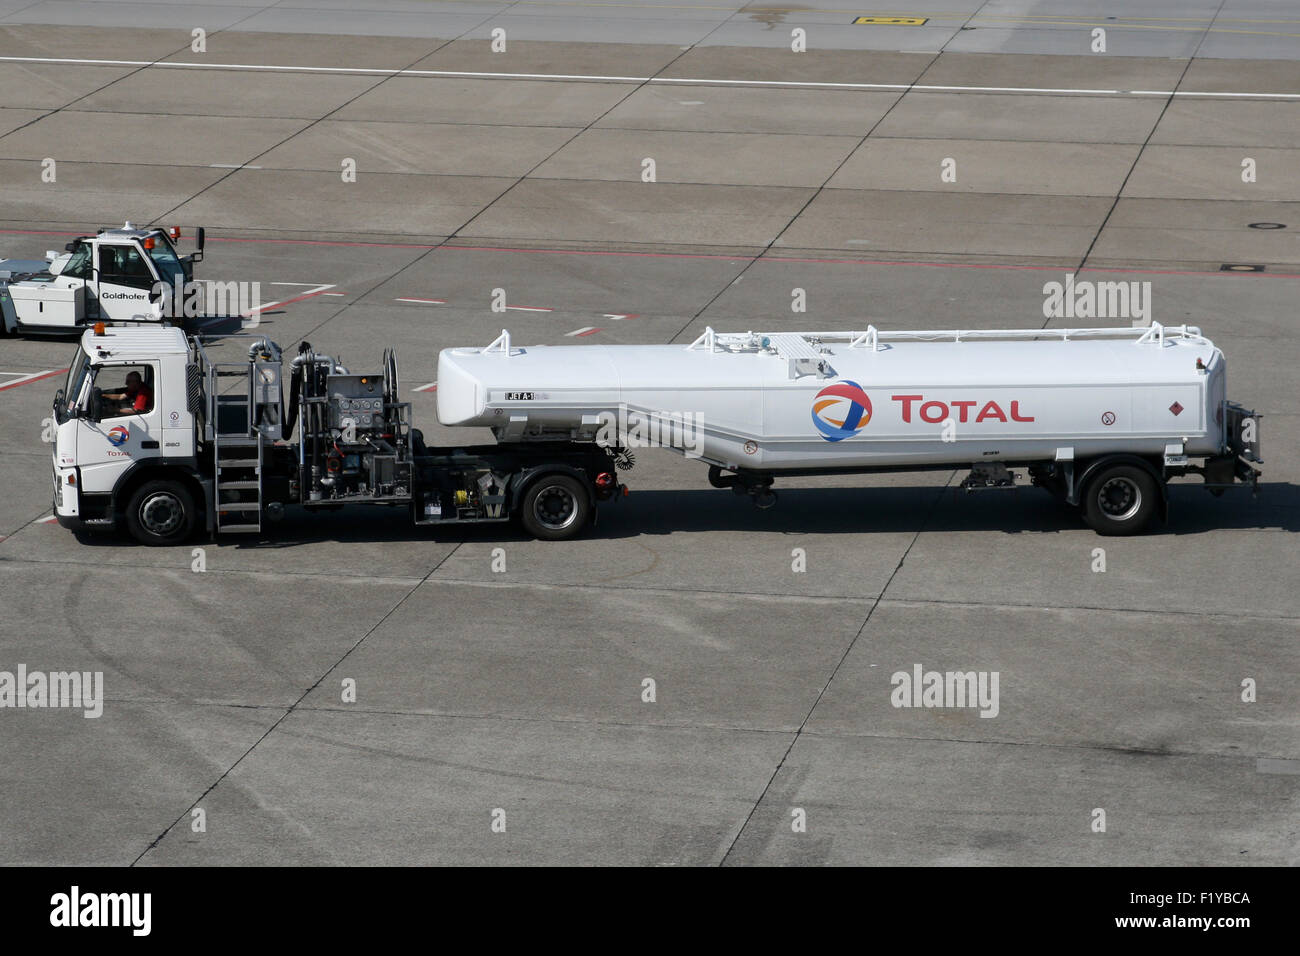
[[121, 415], [116, 276]]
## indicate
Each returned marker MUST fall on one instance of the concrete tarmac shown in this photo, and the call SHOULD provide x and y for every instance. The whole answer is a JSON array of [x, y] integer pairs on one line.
[[522, 690]]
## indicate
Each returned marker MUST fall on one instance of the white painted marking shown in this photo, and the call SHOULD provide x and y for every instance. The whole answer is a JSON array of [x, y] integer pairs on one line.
[[48, 519], [431, 387], [333, 293], [20, 377], [423, 301], [527, 308], [297, 298], [691, 102], [231, 166], [585, 330], [305, 285], [617, 317], [697, 81]]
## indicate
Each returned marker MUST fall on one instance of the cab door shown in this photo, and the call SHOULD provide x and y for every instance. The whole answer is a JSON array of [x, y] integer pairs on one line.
[[109, 443], [124, 282]]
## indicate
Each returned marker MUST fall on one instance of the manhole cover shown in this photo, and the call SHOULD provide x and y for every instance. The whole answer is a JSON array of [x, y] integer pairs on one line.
[[1240, 267]]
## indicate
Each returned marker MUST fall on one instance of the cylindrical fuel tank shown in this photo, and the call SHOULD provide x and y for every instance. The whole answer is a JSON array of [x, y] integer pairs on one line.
[[796, 401]]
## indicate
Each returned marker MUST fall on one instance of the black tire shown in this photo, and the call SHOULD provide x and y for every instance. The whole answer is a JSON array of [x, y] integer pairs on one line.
[[555, 508], [1120, 500], [161, 513]]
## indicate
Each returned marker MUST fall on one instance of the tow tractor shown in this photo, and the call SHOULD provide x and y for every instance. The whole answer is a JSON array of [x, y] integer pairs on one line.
[[156, 434], [115, 276]]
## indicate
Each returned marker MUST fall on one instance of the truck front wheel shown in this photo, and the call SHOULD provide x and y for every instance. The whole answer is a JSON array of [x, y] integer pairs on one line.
[[556, 507], [160, 513], [1120, 500]]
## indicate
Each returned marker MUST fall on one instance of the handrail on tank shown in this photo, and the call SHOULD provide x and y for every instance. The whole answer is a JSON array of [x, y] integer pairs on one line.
[[869, 339], [500, 344], [707, 340], [875, 339]]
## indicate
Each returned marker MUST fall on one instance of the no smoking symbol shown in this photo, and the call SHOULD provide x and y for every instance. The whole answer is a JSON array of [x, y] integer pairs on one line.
[[1108, 418]]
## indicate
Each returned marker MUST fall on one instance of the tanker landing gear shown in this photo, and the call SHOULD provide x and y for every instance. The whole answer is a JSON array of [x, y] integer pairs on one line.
[[758, 487]]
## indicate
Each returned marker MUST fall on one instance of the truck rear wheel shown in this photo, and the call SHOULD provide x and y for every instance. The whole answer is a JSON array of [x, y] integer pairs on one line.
[[1120, 500], [556, 507], [160, 513]]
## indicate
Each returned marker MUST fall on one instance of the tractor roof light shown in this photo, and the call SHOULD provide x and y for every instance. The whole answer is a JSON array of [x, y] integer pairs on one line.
[[99, 328]]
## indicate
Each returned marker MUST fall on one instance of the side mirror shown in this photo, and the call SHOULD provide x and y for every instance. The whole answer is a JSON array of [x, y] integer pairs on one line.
[[70, 247], [200, 238]]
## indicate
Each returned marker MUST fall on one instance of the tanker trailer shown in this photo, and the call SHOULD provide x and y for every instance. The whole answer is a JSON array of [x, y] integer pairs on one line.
[[1100, 418]]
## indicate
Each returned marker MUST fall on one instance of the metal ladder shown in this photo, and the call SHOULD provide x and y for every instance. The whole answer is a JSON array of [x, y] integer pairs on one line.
[[238, 463]]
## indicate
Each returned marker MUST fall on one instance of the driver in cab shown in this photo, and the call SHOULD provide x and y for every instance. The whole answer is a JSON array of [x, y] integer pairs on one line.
[[135, 397]]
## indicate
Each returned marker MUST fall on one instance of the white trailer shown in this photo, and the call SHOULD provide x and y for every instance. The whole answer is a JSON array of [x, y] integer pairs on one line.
[[1102, 418], [116, 276]]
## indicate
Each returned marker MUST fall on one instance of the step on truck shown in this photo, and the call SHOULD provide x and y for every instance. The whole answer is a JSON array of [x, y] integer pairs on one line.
[[154, 434], [115, 276]]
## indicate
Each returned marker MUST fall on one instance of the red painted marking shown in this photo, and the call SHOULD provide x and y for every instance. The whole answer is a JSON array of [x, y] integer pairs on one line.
[[28, 381], [721, 258]]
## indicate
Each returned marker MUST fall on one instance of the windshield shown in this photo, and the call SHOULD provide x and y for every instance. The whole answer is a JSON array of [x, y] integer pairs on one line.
[[77, 373], [78, 266], [164, 257]]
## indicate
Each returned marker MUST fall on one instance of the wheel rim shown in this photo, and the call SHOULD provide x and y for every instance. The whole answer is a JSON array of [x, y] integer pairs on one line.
[[1119, 498], [161, 513], [555, 507]]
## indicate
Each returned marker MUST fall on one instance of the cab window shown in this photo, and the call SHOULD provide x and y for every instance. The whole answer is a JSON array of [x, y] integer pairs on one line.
[[125, 390], [78, 265], [124, 265]]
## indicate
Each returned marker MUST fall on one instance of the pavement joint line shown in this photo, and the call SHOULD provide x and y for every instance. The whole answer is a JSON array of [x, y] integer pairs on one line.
[[600, 78], [292, 707], [311, 122], [694, 724], [773, 255], [807, 203], [1119, 192], [934, 504], [627, 590]]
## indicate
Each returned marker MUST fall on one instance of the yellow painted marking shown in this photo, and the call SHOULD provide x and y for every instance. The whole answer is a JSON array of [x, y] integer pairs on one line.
[[889, 21]]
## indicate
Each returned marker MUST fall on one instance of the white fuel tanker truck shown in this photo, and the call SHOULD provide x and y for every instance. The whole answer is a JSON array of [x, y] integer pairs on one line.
[[156, 433], [1101, 418]]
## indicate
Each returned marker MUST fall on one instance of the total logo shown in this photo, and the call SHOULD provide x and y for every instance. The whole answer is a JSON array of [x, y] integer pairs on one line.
[[118, 435], [841, 410]]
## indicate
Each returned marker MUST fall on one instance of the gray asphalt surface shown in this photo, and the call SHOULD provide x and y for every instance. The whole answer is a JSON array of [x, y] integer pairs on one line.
[[522, 691]]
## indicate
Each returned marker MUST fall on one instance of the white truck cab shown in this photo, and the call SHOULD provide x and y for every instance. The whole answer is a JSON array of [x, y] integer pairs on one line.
[[116, 276], [122, 409]]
